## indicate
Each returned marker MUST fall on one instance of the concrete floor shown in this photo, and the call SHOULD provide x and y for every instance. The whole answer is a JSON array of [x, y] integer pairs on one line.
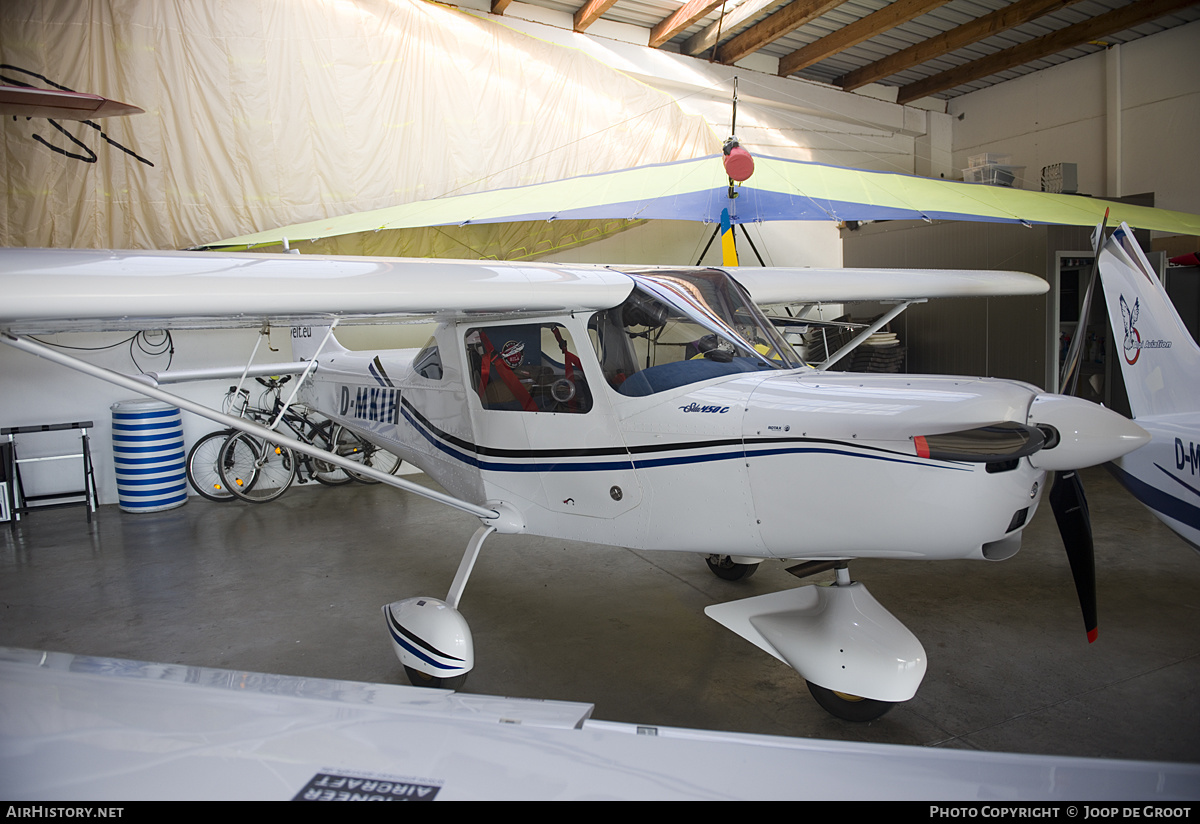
[[295, 587]]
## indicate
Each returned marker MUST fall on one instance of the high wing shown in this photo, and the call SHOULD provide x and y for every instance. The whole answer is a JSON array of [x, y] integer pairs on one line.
[[779, 286], [72, 290], [131, 289]]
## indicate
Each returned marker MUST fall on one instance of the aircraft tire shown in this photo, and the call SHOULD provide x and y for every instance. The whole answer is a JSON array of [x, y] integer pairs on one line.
[[202, 471], [849, 707], [725, 569], [420, 679]]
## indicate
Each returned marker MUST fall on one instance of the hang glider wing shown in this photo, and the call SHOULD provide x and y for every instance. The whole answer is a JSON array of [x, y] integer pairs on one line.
[[23, 101], [697, 190], [64, 290]]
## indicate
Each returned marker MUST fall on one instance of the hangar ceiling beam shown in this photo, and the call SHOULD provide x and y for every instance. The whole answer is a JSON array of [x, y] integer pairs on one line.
[[851, 35], [683, 17], [790, 17], [590, 13], [1120, 19], [1000, 20], [706, 39]]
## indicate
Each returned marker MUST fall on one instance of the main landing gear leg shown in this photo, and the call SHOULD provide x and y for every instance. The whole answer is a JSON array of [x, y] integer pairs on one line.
[[430, 636]]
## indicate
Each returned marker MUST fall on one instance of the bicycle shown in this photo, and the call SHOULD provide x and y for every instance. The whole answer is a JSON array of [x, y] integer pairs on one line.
[[254, 469], [349, 445], [229, 464]]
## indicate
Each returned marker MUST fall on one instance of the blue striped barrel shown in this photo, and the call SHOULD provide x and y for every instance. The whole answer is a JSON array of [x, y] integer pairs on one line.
[[148, 455]]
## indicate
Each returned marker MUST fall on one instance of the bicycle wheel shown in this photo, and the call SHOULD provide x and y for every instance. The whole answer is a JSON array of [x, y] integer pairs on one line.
[[320, 432], [350, 445], [202, 471], [255, 470], [329, 474]]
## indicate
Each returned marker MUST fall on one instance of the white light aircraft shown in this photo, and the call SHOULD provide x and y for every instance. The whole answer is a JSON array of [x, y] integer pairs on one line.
[[653, 409], [1161, 365]]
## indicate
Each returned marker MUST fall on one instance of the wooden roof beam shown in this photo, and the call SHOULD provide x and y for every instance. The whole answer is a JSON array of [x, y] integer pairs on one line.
[[729, 22], [790, 17], [851, 35], [1120, 19], [591, 12], [971, 32], [498, 6], [684, 16]]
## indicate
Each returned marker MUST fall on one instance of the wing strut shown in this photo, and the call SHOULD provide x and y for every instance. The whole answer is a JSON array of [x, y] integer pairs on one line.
[[134, 385], [312, 362], [883, 320]]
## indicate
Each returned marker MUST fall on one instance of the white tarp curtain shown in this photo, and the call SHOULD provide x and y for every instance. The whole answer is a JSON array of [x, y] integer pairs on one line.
[[262, 113]]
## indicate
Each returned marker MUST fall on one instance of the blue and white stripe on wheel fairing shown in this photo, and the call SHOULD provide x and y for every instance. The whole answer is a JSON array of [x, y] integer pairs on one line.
[[414, 645]]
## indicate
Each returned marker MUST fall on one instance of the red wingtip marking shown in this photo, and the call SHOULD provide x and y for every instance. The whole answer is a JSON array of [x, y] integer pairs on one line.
[[1092, 634], [922, 446]]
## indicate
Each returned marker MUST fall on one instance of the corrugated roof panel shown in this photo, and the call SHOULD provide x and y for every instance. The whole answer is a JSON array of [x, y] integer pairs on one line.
[[648, 13]]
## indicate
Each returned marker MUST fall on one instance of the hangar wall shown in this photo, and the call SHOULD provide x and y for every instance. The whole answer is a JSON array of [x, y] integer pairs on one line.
[[262, 114], [1067, 108]]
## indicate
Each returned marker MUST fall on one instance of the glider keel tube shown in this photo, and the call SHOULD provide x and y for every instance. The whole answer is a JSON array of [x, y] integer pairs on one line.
[[134, 385]]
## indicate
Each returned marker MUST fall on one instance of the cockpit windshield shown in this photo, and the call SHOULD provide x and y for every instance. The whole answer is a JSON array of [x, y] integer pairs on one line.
[[678, 328]]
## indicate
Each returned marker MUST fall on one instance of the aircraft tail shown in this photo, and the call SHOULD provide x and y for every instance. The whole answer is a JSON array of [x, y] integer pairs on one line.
[[307, 340], [1159, 359]]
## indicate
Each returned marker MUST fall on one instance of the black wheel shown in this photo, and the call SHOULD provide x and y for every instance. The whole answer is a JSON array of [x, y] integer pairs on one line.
[[255, 470], [849, 707], [724, 567], [202, 471], [420, 679], [349, 445]]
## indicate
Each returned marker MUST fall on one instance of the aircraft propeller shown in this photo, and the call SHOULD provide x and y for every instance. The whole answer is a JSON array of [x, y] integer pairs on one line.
[[1067, 499]]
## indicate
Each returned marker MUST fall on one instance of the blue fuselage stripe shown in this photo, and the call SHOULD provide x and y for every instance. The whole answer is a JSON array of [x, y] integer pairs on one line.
[[1158, 500], [630, 462]]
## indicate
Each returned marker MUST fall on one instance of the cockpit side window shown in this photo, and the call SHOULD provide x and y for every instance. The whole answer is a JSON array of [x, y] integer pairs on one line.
[[527, 368], [428, 362]]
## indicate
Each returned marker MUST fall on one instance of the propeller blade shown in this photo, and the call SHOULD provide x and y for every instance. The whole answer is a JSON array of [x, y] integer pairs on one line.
[[1071, 512], [1066, 494]]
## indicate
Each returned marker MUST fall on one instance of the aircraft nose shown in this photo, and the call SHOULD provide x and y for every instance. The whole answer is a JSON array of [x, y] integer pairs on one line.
[[1081, 433]]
